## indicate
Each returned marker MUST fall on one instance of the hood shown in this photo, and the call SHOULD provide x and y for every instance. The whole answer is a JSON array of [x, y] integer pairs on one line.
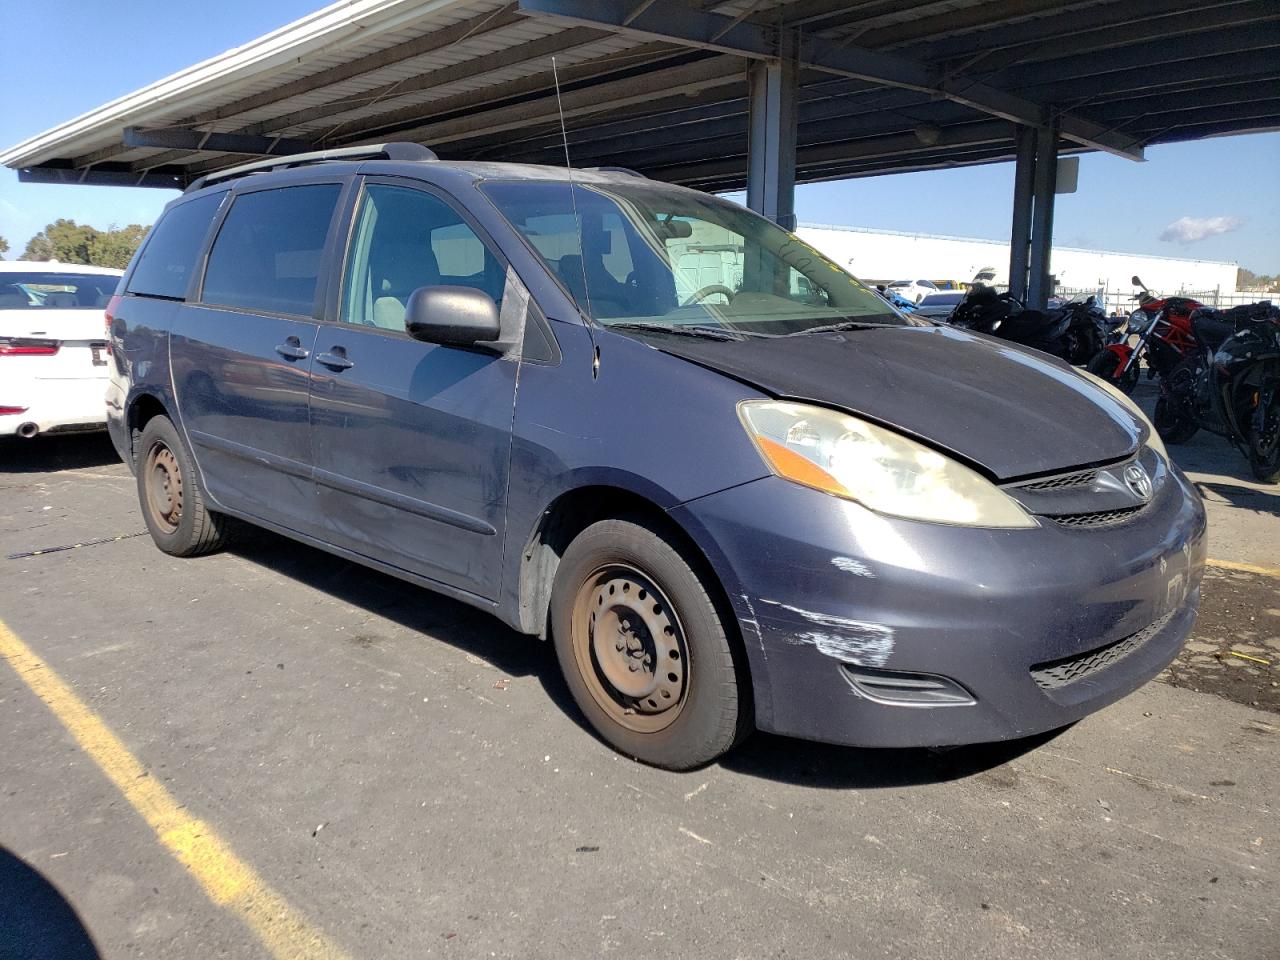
[[1010, 410], [54, 324]]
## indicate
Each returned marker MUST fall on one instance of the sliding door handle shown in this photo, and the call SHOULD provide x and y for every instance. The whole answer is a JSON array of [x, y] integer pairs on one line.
[[335, 359]]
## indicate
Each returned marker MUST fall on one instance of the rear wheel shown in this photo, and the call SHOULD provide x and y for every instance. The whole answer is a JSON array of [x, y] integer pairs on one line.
[[644, 648], [1264, 433], [169, 494], [1173, 422], [1104, 365]]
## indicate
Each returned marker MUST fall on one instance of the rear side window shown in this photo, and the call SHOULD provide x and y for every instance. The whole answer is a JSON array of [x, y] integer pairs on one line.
[[267, 254], [169, 257]]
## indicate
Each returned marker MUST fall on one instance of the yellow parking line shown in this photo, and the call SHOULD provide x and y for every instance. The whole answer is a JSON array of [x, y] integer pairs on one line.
[[226, 879], [1246, 567]]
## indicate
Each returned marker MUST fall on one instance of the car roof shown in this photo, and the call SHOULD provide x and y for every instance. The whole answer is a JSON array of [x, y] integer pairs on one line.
[[55, 266], [442, 172]]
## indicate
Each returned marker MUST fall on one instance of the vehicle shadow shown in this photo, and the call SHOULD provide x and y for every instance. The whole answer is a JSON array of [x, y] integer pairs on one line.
[[782, 759], [415, 608], [72, 451], [1246, 498], [36, 921], [830, 767]]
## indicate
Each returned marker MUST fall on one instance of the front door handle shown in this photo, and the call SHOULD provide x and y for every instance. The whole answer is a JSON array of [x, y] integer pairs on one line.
[[335, 359], [292, 349]]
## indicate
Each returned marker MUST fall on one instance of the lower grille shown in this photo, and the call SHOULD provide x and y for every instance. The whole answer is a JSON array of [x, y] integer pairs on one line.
[[1059, 673], [1101, 518]]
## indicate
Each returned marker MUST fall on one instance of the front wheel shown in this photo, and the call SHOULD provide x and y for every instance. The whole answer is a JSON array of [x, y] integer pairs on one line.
[[1264, 434], [644, 648], [1104, 365], [1173, 422]]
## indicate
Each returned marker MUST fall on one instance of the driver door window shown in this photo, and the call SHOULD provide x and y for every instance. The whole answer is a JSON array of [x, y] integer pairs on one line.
[[405, 239]]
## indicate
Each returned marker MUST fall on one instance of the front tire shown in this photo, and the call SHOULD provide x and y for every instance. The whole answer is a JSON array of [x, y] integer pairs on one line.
[[1264, 435], [1104, 365], [170, 496], [1172, 421], [644, 647]]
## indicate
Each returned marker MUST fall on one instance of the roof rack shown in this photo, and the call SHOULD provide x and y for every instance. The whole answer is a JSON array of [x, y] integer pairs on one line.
[[611, 169], [379, 151]]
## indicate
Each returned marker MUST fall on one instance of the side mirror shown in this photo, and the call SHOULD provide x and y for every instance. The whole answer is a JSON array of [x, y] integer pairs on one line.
[[1137, 281], [452, 316]]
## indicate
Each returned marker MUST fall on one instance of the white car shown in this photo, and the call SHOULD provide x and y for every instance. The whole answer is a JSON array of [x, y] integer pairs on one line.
[[913, 290], [53, 346]]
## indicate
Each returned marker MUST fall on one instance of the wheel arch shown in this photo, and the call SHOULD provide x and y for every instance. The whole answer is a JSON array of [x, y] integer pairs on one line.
[[141, 409], [571, 512]]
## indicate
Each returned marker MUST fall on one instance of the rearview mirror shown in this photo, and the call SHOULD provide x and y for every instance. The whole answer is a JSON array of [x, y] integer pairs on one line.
[[1137, 281], [674, 229], [452, 316]]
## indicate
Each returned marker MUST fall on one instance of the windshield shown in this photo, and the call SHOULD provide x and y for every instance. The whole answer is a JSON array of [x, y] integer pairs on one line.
[[46, 290], [649, 257], [942, 299]]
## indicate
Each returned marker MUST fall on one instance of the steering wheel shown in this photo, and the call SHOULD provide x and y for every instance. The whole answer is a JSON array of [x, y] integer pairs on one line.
[[707, 291]]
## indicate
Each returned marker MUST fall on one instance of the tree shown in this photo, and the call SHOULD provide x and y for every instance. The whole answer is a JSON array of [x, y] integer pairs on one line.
[[4, 247], [62, 240], [114, 248], [69, 242]]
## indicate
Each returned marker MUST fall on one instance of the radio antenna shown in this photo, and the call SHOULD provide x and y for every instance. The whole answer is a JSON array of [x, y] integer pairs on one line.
[[577, 221]]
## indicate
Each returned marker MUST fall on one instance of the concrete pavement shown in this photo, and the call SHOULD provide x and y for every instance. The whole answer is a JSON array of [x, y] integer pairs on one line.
[[413, 779]]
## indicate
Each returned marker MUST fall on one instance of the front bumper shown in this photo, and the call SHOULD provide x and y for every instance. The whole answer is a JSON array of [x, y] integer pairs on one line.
[[56, 405], [819, 584]]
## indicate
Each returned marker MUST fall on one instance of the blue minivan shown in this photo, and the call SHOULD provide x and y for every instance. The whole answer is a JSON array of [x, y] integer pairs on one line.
[[735, 487]]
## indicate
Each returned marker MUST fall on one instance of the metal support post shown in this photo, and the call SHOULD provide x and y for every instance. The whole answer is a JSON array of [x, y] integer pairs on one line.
[[1023, 183], [771, 138], [1046, 178]]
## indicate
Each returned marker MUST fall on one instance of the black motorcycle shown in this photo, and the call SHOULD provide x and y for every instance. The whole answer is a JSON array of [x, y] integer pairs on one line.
[[1229, 384], [1075, 331]]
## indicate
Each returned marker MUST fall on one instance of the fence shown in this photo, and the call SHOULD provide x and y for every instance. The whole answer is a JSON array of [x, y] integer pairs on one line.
[[1120, 301]]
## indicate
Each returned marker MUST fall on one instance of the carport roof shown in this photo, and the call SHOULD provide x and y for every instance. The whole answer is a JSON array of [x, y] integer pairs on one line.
[[661, 85]]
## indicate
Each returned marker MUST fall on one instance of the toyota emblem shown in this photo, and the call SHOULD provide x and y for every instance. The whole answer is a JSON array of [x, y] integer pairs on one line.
[[1136, 479]]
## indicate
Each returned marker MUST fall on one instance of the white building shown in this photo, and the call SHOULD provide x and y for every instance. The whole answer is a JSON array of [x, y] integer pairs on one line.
[[880, 256]]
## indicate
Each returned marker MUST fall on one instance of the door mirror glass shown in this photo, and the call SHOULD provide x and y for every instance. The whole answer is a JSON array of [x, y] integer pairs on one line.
[[452, 316]]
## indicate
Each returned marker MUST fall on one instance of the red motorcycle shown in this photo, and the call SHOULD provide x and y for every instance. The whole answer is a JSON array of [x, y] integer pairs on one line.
[[1165, 339]]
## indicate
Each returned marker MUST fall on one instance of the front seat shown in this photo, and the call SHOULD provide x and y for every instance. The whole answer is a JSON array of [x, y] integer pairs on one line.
[[606, 296], [401, 269]]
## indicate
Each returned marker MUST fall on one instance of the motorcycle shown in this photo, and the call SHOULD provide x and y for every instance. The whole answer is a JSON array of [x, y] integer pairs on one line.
[[1229, 384], [1073, 331], [1163, 328]]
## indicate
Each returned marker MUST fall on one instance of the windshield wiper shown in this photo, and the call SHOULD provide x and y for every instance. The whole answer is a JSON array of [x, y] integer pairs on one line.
[[686, 330], [837, 327]]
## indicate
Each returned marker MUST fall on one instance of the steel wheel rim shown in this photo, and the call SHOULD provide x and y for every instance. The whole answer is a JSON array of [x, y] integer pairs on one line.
[[630, 648], [163, 482]]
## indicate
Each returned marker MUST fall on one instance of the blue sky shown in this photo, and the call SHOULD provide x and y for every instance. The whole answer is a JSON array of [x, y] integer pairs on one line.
[[104, 50]]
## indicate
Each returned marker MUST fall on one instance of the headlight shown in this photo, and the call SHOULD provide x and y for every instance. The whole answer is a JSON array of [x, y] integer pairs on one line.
[[1153, 438], [882, 470], [1138, 321]]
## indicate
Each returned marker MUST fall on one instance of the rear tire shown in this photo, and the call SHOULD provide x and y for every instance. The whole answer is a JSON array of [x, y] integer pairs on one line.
[[1172, 422], [170, 496], [644, 648]]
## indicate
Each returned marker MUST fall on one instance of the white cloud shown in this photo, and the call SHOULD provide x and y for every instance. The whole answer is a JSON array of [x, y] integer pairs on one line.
[[1190, 229]]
